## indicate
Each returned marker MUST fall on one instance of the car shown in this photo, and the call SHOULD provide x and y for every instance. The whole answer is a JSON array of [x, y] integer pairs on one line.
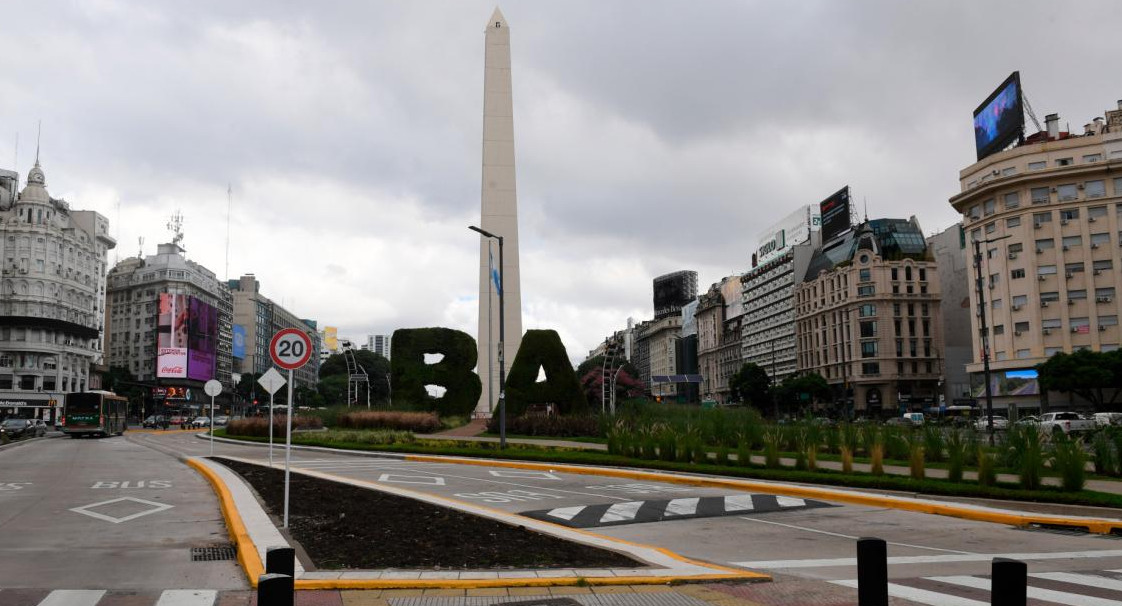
[[221, 420], [899, 422], [200, 422], [999, 423], [17, 428], [154, 422], [1029, 420], [1104, 419]]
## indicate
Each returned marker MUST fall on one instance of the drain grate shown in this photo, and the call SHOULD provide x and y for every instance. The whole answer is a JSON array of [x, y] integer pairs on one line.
[[1071, 531], [542, 602], [213, 553]]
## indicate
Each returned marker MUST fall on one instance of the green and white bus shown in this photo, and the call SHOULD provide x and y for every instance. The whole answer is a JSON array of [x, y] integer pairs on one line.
[[94, 413]]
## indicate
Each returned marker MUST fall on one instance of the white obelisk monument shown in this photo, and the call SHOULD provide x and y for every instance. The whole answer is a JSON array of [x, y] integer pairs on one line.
[[499, 206]]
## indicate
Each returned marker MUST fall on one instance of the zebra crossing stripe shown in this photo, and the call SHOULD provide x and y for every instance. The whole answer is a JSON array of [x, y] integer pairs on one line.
[[1089, 580], [73, 597], [790, 502], [1047, 595], [567, 513], [739, 503], [620, 512], [188, 597], [920, 596], [682, 507]]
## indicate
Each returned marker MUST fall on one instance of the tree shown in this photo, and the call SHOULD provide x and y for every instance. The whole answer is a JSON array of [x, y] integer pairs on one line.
[[790, 391], [248, 388], [592, 384], [122, 382], [377, 368], [1093, 376], [751, 385]]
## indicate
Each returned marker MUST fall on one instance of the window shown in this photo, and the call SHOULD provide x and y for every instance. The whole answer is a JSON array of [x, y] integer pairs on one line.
[[1041, 218], [1012, 200], [1071, 241], [1020, 300], [869, 329], [1049, 297], [868, 310], [996, 304], [923, 274], [1098, 240], [1108, 320], [1042, 245], [1076, 295], [895, 273], [1021, 327], [1079, 325], [1008, 170], [995, 279], [1051, 323], [989, 207], [925, 310], [1023, 353], [1046, 270], [866, 291], [1096, 212], [1093, 158], [1069, 214], [1037, 165], [1039, 195], [1073, 268], [991, 227], [864, 275], [1104, 265], [976, 234], [1065, 161], [1118, 187], [998, 329], [1095, 189], [870, 368], [991, 253], [1067, 192], [1104, 295], [975, 211], [1017, 274], [908, 271], [1013, 222], [896, 310], [868, 349], [1016, 248], [1001, 356]]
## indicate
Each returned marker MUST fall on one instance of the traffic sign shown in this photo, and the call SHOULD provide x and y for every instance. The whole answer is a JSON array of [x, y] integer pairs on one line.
[[213, 388], [290, 348], [271, 381]]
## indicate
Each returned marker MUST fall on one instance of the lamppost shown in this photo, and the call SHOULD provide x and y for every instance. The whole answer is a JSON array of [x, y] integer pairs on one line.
[[985, 329], [502, 339]]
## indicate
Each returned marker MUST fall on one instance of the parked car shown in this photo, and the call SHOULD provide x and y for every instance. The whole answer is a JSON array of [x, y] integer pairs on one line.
[[221, 420], [915, 418], [153, 422], [200, 422], [17, 428], [1104, 419], [1067, 423], [1029, 420], [899, 422], [999, 423]]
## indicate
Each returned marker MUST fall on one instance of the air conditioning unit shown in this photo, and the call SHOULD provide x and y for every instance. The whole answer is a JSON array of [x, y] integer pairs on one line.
[[1080, 186], [1016, 333], [1074, 329], [1071, 301], [1012, 255], [1016, 308], [1102, 328], [1044, 304], [1040, 251], [1094, 246], [1069, 275], [1054, 190], [1103, 299], [1090, 219], [1098, 271], [1066, 248], [1047, 331], [1037, 225], [993, 286], [1042, 277]]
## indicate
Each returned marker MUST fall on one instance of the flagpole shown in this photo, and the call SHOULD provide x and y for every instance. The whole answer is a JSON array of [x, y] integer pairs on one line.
[[490, 334]]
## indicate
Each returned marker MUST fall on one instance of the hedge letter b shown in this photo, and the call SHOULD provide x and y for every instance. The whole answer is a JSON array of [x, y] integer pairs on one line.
[[455, 372]]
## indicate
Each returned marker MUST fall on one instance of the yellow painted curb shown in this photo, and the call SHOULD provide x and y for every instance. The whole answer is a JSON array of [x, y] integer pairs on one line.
[[247, 551], [1095, 525]]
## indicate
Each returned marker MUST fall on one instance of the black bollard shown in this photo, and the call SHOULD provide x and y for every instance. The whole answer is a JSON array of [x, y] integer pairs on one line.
[[280, 560], [872, 572], [1009, 584], [275, 590]]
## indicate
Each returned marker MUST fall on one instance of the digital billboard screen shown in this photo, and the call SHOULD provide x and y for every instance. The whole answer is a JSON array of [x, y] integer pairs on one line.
[[1000, 119], [171, 336], [202, 340], [673, 291], [835, 214], [239, 342]]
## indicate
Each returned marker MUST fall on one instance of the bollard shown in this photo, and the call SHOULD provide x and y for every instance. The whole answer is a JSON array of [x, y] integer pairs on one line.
[[275, 590], [1009, 583], [872, 572], [280, 560]]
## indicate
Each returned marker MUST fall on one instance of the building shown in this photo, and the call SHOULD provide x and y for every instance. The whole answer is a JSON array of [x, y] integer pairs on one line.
[[52, 298], [949, 250], [719, 329], [867, 319], [1046, 216], [674, 291], [767, 336], [379, 344], [657, 342], [143, 295], [260, 318]]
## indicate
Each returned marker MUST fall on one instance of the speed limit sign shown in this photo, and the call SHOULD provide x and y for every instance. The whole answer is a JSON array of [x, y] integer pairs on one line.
[[290, 348]]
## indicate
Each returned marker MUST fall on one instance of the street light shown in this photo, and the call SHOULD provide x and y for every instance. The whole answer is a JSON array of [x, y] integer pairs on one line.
[[502, 339], [985, 329]]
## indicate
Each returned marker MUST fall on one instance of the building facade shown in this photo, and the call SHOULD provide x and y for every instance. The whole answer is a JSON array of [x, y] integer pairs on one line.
[[719, 317], [657, 342], [260, 318], [379, 344], [951, 258], [867, 319], [1047, 219], [52, 296]]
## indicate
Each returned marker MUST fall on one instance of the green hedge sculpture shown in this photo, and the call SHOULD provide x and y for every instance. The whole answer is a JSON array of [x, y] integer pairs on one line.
[[543, 349], [455, 372]]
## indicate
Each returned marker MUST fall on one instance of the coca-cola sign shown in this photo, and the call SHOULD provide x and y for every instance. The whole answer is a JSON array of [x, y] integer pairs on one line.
[[172, 363]]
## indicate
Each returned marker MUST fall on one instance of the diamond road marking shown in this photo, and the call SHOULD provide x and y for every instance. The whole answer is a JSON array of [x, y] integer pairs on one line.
[[566, 513], [540, 475], [682, 507], [739, 503], [399, 479], [87, 509], [790, 502]]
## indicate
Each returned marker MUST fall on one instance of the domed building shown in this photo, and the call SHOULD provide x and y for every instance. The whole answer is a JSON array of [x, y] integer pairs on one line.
[[52, 296]]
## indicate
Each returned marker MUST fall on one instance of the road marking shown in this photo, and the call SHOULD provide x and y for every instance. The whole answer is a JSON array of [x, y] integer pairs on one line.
[[1089, 580], [532, 475], [739, 503], [620, 512], [87, 510], [1047, 595], [852, 561], [935, 559], [789, 501], [14, 485], [567, 513], [400, 479], [921, 596], [682, 507], [510, 496], [188, 597], [73, 597], [638, 488]]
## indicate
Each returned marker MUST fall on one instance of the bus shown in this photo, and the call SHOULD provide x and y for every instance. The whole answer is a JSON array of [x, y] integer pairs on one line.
[[94, 413]]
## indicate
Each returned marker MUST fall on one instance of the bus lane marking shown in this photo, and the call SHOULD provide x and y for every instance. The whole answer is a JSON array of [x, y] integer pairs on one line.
[[510, 496], [529, 475], [131, 484], [14, 485], [393, 478], [87, 510]]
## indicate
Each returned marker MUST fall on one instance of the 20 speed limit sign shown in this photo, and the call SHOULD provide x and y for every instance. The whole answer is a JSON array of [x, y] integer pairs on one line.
[[290, 348]]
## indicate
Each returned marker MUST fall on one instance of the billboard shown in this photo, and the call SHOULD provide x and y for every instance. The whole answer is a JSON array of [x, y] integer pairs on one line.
[[1008, 383], [202, 340], [792, 230], [834, 213], [673, 291], [171, 337], [331, 338], [1000, 119], [239, 342]]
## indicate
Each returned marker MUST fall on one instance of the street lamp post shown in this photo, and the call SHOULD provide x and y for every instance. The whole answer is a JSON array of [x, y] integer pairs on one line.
[[985, 329], [502, 339]]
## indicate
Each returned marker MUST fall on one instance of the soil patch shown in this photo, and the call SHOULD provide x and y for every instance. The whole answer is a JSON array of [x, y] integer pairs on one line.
[[346, 527]]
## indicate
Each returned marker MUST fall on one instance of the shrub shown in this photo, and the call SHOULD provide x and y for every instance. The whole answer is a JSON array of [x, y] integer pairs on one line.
[[1031, 444], [722, 455], [259, 426], [380, 437], [987, 474], [895, 444], [416, 422], [543, 350], [934, 443], [958, 452], [411, 373], [560, 426], [1070, 460], [771, 447], [876, 458], [1106, 458], [847, 459], [743, 453], [915, 459]]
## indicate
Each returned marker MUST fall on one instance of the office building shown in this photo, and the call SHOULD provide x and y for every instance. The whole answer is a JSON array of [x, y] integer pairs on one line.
[[955, 282], [260, 318]]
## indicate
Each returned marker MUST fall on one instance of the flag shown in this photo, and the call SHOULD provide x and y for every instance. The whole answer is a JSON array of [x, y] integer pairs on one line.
[[494, 272]]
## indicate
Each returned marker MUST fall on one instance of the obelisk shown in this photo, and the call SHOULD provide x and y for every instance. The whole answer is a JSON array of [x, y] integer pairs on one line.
[[499, 216]]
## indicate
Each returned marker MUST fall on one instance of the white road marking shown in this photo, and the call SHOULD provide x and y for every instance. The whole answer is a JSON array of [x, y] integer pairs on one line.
[[789, 502], [1089, 580], [532, 475], [682, 507], [86, 509], [935, 559], [394, 478], [188, 597], [1047, 595], [739, 503], [921, 596], [73, 597], [620, 512], [567, 513]]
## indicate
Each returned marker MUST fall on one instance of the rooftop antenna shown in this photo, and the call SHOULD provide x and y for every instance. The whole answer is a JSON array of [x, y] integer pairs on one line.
[[229, 203], [140, 253], [176, 227], [866, 201], [38, 137]]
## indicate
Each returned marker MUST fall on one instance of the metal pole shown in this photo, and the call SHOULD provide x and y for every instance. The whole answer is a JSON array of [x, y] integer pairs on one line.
[[287, 447], [984, 335], [271, 429], [212, 426], [502, 350]]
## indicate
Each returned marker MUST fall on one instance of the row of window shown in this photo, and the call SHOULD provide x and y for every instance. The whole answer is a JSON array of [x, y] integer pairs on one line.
[[1043, 195], [1050, 325]]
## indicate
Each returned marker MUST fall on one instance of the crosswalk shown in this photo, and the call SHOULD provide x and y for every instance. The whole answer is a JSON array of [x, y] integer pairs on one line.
[[98, 597], [1096, 588], [635, 512]]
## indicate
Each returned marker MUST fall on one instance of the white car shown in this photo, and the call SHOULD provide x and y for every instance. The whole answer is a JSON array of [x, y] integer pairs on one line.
[[983, 423], [200, 422], [1104, 419]]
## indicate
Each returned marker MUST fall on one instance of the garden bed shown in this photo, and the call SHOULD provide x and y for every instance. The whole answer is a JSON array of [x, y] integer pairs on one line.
[[341, 526]]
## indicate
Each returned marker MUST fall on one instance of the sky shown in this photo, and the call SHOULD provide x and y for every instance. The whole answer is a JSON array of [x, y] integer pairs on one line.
[[651, 136]]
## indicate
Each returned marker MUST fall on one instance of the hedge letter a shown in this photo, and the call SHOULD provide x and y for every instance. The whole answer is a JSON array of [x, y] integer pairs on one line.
[[543, 349]]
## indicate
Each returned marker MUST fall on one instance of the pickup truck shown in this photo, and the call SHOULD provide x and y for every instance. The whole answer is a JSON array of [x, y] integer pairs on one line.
[[1067, 423]]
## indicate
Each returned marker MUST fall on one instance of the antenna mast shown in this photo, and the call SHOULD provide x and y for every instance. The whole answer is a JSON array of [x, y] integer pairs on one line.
[[1031, 114], [140, 253], [176, 227]]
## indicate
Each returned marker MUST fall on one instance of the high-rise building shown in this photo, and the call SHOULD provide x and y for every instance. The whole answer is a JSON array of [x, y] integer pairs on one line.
[[499, 216], [719, 326], [949, 249], [379, 344], [867, 319], [1047, 219], [52, 297], [674, 291], [260, 318]]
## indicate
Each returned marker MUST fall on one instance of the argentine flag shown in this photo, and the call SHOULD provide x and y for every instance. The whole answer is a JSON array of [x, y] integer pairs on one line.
[[494, 272]]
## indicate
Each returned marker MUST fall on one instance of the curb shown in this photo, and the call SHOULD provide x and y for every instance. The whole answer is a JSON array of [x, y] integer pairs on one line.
[[247, 550]]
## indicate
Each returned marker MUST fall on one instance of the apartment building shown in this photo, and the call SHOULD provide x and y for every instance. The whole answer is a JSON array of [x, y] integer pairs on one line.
[[260, 319]]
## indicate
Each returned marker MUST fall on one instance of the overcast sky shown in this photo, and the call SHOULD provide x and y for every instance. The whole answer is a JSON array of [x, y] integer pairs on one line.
[[651, 136]]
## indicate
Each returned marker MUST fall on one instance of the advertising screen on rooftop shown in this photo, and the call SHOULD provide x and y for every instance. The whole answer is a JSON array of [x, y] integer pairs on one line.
[[999, 120], [835, 214]]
